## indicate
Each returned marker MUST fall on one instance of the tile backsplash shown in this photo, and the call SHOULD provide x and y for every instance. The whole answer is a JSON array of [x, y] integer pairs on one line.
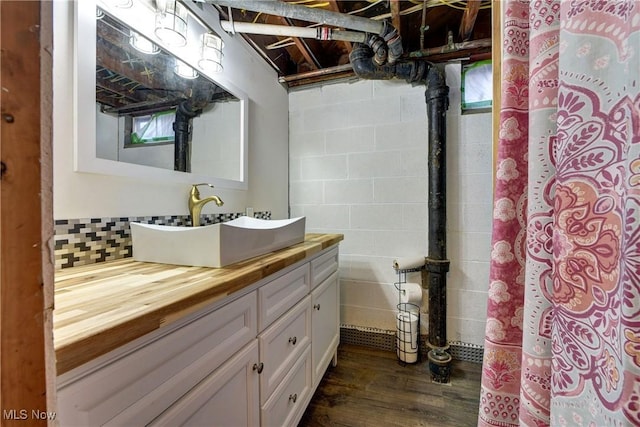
[[90, 240]]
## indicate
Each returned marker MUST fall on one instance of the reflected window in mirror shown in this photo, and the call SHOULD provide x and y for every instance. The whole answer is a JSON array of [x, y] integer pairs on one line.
[[150, 128]]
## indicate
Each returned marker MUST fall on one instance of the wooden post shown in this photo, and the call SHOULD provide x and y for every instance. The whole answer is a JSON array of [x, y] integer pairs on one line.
[[25, 200]]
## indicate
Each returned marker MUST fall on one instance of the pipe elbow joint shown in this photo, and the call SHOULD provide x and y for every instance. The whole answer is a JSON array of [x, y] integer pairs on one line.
[[365, 66], [379, 48], [393, 42], [360, 58]]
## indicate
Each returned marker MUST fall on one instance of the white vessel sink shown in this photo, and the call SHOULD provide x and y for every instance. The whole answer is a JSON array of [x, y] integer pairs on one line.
[[214, 245]]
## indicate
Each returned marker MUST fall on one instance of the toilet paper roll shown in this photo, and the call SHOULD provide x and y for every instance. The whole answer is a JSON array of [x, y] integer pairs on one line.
[[407, 347], [405, 320], [411, 293], [406, 353], [408, 263], [407, 336]]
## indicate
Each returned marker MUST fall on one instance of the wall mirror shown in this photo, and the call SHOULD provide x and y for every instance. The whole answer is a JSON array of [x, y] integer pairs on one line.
[[156, 105]]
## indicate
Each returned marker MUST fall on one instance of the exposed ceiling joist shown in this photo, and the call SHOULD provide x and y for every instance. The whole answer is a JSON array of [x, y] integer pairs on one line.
[[302, 46], [333, 5], [469, 19], [395, 15]]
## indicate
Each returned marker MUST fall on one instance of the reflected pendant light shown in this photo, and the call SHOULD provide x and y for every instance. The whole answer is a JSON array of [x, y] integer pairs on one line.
[[210, 53], [171, 23], [184, 71], [142, 44]]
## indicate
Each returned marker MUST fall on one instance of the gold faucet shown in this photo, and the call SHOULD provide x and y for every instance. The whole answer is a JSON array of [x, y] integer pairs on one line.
[[196, 203]]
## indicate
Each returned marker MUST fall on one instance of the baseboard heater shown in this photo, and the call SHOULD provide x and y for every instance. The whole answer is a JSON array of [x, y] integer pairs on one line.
[[386, 340]]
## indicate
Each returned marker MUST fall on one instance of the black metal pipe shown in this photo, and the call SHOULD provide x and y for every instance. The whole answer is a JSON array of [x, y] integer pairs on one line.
[[437, 264], [363, 64], [182, 129], [187, 110]]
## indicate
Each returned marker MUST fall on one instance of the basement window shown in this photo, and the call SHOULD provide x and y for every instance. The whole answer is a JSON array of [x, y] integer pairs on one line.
[[477, 86], [156, 128]]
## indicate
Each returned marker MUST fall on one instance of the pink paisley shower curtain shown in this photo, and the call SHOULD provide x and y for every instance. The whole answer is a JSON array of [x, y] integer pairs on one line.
[[562, 343]]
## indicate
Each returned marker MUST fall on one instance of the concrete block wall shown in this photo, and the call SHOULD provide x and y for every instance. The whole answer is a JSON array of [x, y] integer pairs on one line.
[[358, 166]]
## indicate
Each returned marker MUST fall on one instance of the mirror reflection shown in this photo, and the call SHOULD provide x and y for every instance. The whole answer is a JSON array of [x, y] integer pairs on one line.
[[154, 109]]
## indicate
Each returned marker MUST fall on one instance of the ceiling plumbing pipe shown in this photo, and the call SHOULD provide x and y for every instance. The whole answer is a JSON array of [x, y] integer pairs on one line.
[[451, 47], [388, 39], [318, 33]]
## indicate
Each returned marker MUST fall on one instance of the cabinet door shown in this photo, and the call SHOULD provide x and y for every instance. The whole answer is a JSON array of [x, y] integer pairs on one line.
[[325, 325], [227, 397]]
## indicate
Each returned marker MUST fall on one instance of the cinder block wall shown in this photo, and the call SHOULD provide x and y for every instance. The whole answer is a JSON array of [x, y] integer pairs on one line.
[[358, 166]]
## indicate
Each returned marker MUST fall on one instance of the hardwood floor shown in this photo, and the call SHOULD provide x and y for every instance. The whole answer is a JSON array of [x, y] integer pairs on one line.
[[371, 387]]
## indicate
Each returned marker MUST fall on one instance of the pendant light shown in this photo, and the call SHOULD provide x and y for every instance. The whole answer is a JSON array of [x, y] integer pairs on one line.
[[184, 70], [171, 23], [210, 53], [142, 44]]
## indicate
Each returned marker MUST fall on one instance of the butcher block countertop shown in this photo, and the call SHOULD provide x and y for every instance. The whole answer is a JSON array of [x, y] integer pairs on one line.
[[100, 307]]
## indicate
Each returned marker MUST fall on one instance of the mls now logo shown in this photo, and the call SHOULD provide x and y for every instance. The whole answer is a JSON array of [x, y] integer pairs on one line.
[[15, 414], [23, 414]]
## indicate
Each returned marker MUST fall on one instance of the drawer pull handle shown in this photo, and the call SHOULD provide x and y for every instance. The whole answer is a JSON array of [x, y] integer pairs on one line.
[[293, 340], [293, 397], [316, 306], [258, 367]]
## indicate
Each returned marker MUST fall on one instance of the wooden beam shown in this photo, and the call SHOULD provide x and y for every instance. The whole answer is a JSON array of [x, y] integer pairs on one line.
[[333, 6], [395, 15], [469, 19], [302, 46], [25, 196]]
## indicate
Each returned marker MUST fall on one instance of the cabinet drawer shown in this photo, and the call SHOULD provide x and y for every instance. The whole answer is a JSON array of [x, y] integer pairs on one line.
[[289, 400], [277, 297], [135, 388], [323, 266], [281, 344]]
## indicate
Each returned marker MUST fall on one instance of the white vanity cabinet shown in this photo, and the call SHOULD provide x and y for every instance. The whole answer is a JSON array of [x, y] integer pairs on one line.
[[254, 360]]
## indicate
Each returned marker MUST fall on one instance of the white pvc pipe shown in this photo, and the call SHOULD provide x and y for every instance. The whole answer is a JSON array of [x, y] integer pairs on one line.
[[319, 33]]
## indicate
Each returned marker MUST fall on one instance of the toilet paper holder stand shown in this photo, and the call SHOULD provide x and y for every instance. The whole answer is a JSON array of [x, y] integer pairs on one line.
[[407, 339]]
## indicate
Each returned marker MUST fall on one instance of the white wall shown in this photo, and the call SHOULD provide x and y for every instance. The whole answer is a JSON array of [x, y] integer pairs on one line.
[[82, 195], [358, 166]]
